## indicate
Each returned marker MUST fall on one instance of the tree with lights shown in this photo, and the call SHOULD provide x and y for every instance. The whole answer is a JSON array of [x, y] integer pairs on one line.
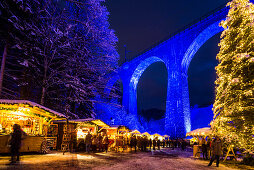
[[234, 103]]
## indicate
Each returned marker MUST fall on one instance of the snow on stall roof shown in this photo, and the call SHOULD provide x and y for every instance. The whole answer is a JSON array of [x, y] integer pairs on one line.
[[95, 121], [82, 120], [117, 126], [32, 104]]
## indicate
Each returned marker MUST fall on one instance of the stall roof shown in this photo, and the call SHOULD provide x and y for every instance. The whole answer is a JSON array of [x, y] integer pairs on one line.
[[32, 105], [117, 126], [136, 132], [95, 121], [146, 133], [156, 134], [200, 132]]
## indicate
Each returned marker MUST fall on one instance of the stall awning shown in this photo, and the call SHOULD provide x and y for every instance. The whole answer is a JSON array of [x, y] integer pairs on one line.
[[100, 123], [119, 127], [156, 134], [135, 132], [200, 132], [97, 122], [24, 107], [146, 133]]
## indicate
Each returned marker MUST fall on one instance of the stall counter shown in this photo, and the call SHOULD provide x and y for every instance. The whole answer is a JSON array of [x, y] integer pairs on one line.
[[29, 144]]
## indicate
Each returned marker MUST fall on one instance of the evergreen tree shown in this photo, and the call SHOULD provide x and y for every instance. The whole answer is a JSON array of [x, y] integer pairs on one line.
[[234, 103], [16, 19], [65, 49]]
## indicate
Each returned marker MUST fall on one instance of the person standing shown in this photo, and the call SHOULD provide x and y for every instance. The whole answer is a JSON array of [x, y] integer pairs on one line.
[[154, 143], [105, 142], [209, 145], [145, 143], [158, 144], [100, 142], [88, 141], [173, 144], [163, 143], [216, 149], [94, 143], [183, 144], [135, 142], [15, 143], [204, 148], [150, 144]]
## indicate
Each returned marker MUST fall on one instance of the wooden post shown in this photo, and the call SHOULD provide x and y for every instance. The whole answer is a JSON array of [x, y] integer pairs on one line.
[[2, 67], [230, 149]]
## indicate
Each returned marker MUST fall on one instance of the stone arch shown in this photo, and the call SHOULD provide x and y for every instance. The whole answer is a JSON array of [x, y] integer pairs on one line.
[[204, 36], [143, 65]]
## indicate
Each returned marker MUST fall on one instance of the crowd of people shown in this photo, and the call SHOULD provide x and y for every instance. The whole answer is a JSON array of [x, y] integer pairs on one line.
[[96, 143], [101, 142]]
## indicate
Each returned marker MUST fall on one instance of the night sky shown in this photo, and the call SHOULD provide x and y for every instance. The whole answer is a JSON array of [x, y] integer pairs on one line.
[[139, 24]]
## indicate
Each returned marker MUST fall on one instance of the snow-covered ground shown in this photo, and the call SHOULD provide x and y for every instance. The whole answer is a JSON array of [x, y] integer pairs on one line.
[[164, 159]]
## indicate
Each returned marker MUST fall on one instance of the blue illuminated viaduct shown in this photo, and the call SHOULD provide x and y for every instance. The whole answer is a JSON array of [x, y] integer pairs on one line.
[[176, 53]]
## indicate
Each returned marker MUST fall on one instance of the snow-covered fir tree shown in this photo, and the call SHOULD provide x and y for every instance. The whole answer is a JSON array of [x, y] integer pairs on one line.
[[65, 50], [234, 103]]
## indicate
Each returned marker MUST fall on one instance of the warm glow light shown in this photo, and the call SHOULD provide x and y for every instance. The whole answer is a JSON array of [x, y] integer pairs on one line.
[[235, 85], [19, 113]]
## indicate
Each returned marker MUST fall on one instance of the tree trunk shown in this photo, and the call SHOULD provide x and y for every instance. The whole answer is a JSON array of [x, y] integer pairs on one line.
[[2, 67], [43, 95], [44, 90]]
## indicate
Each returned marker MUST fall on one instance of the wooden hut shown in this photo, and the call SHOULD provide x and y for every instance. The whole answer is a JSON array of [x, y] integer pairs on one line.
[[34, 119]]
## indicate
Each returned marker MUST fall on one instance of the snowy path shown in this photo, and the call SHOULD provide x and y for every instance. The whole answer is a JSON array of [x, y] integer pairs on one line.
[[165, 159]]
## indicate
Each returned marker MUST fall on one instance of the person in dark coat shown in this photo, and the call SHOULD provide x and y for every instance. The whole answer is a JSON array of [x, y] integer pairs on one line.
[[94, 143], [209, 145], [99, 140], [216, 150], [204, 148], [158, 144], [135, 143], [131, 142], [15, 143], [168, 143], [150, 144], [154, 143], [183, 144], [163, 143], [173, 144], [105, 142], [88, 141]]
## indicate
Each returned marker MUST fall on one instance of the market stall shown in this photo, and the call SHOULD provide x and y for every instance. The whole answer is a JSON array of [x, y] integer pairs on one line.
[[135, 132], [35, 120], [166, 136], [72, 133], [197, 134], [206, 131], [146, 134], [118, 136], [158, 136]]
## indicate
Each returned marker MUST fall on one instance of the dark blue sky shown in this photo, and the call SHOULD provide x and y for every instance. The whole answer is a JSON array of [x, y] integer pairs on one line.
[[141, 23]]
